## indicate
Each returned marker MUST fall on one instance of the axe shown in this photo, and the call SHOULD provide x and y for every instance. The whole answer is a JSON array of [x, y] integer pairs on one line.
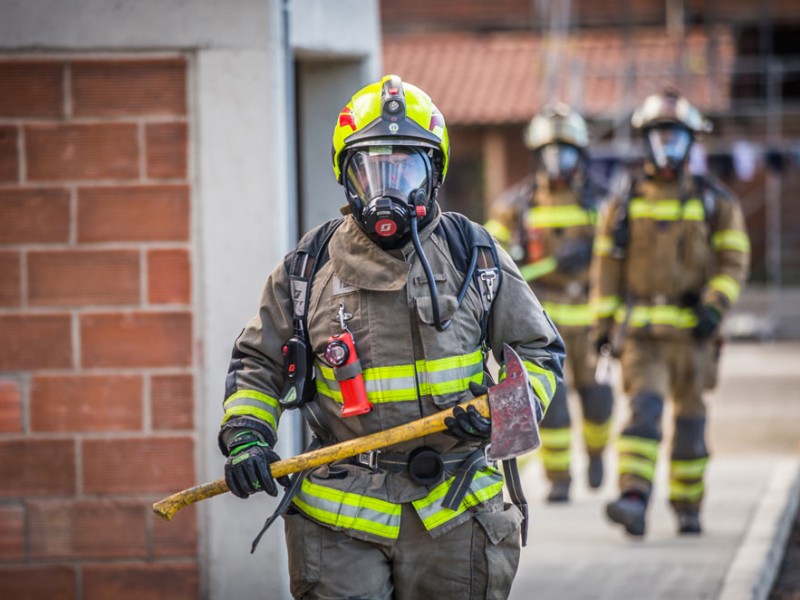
[[510, 405]]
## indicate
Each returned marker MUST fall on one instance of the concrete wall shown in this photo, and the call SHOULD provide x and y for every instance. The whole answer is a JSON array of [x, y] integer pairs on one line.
[[242, 180]]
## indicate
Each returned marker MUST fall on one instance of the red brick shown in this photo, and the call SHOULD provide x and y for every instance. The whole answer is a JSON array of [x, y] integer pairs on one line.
[[87, 529], [88, 151], [167, 150], [10, 407], [178, 537], [39, 582], [34, 216], [86, 403], [9, 278], [31, 88], [12, 532], [138, 465], [79, 277], [129, 87], [169, 279], [161, 581], [35, 342], [9, 159], [173, 402], [37, 468], [133, 213], [139, 339]]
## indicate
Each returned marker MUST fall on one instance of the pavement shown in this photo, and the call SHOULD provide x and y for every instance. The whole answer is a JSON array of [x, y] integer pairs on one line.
[[753, 490]]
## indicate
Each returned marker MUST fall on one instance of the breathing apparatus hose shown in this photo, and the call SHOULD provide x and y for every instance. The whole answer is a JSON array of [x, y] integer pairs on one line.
[[437, 320]]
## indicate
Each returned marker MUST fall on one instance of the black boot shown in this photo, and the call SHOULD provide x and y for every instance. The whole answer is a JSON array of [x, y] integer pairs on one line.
[[629, 511], [689, 522], [559, 491], [595, 471]]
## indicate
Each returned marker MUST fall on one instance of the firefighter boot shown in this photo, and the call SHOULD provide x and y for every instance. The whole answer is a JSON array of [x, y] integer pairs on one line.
[[689, 522], [559, 491], [629, 511], [595, 471]]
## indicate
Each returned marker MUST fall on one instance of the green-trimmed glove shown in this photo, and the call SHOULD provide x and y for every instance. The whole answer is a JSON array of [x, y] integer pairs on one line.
[[247, 468], [708, 320]]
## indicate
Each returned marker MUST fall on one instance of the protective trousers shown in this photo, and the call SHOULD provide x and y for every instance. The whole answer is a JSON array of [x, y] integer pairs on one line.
[[477, 559], [652, 369], [596, 404]]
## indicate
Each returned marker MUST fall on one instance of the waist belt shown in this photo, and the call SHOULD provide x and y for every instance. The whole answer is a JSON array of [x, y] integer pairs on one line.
[[427, 467]]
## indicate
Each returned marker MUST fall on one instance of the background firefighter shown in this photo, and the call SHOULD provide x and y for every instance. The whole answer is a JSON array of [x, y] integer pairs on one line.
[[547, 223], [425, 518], [671, 256]]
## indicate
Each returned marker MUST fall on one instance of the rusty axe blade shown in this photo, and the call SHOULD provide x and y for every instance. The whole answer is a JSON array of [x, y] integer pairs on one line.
[[511, 403]]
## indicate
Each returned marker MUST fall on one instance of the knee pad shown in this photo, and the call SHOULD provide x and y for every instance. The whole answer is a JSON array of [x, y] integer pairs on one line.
[[689, 441], [646, 411], [597, 401]]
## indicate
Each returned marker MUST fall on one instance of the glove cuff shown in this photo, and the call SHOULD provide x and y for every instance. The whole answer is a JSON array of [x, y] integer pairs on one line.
[[229, 430], [244, 439]]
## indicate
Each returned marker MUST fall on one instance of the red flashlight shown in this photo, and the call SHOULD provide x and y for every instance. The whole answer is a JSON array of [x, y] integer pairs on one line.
[[341, 354]]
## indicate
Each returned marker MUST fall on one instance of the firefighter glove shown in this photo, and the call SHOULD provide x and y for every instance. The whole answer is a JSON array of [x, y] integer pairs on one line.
[[247, 468], [708, 320], [574, 256], [469, 425]]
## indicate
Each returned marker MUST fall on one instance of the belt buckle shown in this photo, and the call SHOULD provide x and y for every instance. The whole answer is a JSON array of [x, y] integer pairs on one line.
[[369, 459]]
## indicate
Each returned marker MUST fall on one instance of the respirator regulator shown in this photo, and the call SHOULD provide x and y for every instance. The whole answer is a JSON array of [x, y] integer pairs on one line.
[[386, 186]]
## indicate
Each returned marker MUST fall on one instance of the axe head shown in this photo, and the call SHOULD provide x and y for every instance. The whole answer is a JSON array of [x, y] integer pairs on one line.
[[511, 404]]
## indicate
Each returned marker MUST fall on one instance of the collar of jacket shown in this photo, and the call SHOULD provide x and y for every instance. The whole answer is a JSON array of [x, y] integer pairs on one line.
[[360, 262]]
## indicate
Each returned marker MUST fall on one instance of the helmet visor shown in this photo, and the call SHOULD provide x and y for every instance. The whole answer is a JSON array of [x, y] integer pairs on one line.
[[387, 171], [668, 146], [559, 161]]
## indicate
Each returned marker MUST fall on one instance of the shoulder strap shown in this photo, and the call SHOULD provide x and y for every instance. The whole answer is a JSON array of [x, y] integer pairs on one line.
[[474, 253], [309, 255]]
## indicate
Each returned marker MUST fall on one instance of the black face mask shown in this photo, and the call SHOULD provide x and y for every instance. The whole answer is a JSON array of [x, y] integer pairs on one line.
[[668, 148], [559, 161], [384, 186]]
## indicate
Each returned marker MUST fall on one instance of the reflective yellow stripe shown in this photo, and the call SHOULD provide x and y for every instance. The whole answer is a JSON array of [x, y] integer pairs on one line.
[[538, 269], [730, 239], [555, 438], [603, 245], [349, 511], [666, 210], [439, 377], [659, 314], [595, 435], [636, 445], [538, 377], [605, 306], [688, 469], [568, 315], [686, 492], [252, 403], [486, 484], [725, 285], [555, 460], [568, 215], [633, 465], [499, 231]]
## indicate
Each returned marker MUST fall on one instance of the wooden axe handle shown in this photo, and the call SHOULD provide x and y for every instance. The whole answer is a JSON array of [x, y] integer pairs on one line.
[[167, 507]]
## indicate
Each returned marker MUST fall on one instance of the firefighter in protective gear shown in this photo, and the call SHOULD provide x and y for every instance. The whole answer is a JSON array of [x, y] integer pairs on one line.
[[671, 256], [423, 518], [547, 222]]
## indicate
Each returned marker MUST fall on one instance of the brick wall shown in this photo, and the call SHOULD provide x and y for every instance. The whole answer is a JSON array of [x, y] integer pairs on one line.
[[96, 328]]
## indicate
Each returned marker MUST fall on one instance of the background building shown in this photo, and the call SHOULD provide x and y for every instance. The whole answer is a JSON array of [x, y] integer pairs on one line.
[[156, 161], [491, 65]]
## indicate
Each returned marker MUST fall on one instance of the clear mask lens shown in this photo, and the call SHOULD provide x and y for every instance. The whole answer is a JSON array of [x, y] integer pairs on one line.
[[387, 171], [668, 146], [559, 161]]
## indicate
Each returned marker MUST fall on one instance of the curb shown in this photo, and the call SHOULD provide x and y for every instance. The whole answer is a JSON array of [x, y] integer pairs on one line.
[[755, 566]]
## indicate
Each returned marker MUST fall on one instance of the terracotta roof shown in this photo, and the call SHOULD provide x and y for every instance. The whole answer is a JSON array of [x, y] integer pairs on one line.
[[498, 78]]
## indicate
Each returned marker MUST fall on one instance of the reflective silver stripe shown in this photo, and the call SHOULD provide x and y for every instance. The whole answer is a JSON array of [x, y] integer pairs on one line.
[[252, 403], [349, 511], [486, 484]]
